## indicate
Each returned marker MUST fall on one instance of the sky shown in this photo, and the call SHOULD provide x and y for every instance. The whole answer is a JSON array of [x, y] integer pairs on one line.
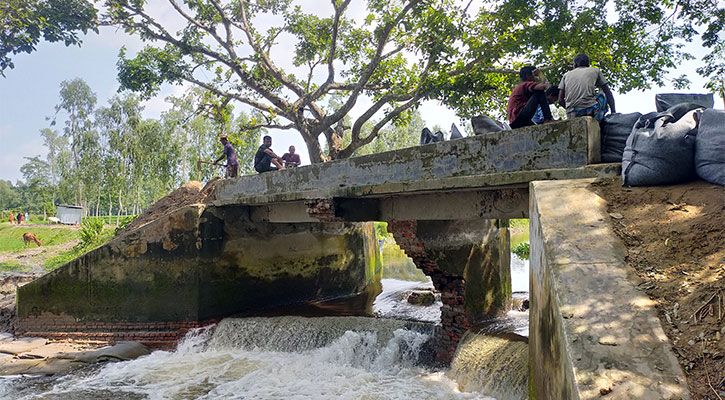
[[30, 91]]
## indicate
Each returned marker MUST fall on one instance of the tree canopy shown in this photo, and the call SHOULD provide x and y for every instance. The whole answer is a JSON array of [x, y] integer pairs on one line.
[[286, 62], [24, 22]]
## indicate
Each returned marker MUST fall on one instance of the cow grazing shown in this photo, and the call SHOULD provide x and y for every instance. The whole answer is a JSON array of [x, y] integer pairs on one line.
[[30, 237], [53, 220]]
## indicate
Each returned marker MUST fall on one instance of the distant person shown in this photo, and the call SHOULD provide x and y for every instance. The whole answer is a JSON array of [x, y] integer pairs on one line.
[[231, 155], [265, 157], [12, 218], [527, 97], [577, 91], [552, 94], [27, 216], [20, 218], [291, 159]]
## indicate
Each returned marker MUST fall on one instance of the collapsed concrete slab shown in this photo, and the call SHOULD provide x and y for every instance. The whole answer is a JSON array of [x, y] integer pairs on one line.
[[591, 332]]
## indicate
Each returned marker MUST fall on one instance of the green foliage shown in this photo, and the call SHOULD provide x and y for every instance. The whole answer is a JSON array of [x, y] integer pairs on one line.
[[91, 229], [381, 231], [522, 250], [405, 51], [123, 223], [82, 248], [24, 22]]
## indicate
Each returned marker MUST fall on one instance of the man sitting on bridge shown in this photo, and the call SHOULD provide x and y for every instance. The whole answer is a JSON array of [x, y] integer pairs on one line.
[[265, 157], [576, 91], [527, 97], [291, 159]]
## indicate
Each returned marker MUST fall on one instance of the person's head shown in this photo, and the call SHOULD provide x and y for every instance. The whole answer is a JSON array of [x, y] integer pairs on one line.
[[267, 140], [581, 60], [552, 94], [527, 73], [292, 149], [223, 138]]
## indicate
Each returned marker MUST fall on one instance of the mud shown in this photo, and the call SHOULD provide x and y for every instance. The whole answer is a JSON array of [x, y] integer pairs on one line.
[[675, 237]]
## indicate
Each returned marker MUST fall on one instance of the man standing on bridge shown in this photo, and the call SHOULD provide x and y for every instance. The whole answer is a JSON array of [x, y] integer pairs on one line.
[[231, 155]]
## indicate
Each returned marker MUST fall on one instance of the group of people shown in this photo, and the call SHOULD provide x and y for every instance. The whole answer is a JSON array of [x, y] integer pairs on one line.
[[18, 219], [263, 159], [528, 105], [577, 93]]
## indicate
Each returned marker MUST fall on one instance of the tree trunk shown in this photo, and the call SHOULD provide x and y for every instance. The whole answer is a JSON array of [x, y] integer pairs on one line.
[[109, 208], [313, 146], [119, 206]]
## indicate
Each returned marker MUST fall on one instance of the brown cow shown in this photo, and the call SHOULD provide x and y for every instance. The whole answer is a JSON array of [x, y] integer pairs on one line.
[[30, 237]]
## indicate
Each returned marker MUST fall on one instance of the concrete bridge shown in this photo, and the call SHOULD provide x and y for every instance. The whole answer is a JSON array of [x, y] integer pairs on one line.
[[447, 205]]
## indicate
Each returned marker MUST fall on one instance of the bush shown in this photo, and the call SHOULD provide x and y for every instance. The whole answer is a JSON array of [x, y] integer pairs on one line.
[[91, 229], [522, 250], [123, 223]]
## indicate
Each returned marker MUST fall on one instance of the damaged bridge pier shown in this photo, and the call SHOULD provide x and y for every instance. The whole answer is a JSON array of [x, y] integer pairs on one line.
[[447, 205]]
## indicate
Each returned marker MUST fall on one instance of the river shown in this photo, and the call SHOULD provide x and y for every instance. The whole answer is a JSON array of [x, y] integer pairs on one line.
[[332, 357]]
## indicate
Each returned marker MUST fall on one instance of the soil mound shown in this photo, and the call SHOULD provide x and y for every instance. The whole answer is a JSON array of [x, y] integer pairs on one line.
[[675, 236], [189, 193]]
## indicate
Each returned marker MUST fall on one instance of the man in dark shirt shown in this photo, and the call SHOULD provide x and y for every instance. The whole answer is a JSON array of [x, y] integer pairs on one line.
[[291, 159], [526, 97], [265, 157], [231, 155]]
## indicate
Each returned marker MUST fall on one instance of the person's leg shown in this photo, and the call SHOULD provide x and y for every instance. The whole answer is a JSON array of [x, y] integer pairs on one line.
[[538, 99], [602, 107], [264, 164]]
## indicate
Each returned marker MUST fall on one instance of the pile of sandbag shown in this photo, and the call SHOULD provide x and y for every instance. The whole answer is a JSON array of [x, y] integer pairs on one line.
[[676, 145]]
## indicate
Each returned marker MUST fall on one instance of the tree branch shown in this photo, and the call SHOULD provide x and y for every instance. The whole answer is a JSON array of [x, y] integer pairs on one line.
[[329, 120]]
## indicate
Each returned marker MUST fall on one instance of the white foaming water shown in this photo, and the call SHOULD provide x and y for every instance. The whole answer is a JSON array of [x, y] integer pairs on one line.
[[519, 274], [357, 358]]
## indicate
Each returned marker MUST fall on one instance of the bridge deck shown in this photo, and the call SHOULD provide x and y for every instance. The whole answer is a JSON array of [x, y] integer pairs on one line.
[[484, 176]]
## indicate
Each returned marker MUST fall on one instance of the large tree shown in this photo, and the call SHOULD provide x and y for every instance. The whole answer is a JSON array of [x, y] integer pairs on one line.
[[286, 63], [24, 22]]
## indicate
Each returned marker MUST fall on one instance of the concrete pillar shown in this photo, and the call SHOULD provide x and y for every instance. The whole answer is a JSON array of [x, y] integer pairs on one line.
[[468, 262]]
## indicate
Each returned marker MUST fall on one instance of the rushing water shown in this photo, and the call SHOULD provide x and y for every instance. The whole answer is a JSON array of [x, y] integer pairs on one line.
[[290, 357]]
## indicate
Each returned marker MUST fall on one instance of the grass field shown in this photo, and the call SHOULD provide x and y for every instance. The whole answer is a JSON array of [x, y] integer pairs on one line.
[[77, 251], [11, 236]]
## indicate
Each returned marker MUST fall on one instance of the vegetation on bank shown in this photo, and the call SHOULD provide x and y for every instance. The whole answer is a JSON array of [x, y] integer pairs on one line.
[[11, 236]]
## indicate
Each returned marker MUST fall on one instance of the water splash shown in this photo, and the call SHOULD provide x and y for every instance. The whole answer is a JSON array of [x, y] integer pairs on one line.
[[496, 365]]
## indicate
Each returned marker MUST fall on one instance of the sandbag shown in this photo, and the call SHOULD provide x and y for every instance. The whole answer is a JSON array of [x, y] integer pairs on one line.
[[710, 147], [665, 101], [615, 130], [455, 133], [427, 137], [483, 124], [661, 148]]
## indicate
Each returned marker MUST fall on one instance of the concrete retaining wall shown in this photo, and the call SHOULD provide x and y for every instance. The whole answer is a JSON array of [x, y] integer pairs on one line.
[[590, 329], [198, 264]]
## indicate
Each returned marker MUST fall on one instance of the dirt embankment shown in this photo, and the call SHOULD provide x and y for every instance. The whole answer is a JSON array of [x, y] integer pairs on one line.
[[675, 237], [191, 192]]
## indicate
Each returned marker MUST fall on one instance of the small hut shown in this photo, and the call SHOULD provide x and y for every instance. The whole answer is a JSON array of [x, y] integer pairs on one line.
[[70, 215]]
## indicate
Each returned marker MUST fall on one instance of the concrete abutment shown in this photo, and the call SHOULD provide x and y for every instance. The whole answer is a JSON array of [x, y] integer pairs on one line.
[[193, 267]]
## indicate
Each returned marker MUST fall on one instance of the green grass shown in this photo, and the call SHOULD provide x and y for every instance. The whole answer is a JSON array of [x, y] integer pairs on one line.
[[14, 266], [11, 236], [519, 224], [77, 251]]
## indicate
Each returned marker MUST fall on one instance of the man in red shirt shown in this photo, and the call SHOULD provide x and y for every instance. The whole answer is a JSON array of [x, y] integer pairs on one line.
[[291, 159], [526, 97]]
